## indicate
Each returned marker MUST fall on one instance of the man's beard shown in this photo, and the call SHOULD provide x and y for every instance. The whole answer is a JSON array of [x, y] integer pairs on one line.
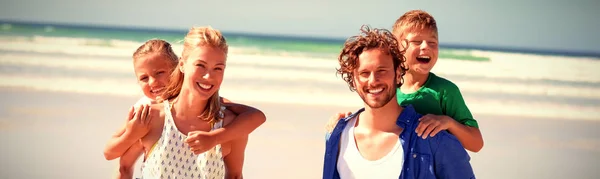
[[389, 94]]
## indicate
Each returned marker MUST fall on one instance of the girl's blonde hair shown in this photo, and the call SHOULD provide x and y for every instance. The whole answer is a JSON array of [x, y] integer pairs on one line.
[[156, 46]]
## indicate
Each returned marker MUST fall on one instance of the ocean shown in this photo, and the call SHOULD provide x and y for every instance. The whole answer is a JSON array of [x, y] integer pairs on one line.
[[299, 70]]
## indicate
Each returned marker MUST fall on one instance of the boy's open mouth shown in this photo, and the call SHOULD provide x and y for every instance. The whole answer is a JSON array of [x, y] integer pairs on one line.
[[424, 59]]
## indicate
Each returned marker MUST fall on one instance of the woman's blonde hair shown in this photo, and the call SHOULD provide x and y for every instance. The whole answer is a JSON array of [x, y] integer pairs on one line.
[[198, 37]]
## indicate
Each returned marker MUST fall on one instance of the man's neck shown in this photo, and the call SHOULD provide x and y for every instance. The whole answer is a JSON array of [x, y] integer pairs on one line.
[[413, 82], [186, 106], [380, 119]]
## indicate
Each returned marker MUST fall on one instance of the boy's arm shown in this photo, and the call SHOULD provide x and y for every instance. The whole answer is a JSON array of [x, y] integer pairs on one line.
[[451, 161], [458, 121], [127, 161], [466, 129], [469, 136]]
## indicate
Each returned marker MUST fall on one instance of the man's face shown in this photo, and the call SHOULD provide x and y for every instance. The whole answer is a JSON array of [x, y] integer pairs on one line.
[[375, 78]]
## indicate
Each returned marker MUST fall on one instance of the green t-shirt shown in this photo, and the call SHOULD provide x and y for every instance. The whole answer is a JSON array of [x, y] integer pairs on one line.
[[440, 97]]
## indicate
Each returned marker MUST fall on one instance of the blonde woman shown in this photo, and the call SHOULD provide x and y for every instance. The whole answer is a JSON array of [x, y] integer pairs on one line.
[[190, 106]]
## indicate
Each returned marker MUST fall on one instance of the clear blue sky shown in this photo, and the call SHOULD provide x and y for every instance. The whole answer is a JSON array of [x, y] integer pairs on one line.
[[541, 24]]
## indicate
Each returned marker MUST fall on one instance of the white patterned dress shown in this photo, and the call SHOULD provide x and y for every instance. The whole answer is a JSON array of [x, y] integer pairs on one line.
[[171, 158]]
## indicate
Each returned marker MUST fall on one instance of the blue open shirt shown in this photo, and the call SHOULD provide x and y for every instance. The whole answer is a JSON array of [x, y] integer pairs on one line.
[[441, 156]]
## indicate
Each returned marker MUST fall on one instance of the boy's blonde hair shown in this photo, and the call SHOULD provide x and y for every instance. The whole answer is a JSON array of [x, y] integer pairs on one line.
[[412, 21], [198, 37], [156, 46]]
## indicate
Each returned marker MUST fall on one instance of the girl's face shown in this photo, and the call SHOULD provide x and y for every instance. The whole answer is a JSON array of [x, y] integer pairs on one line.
[[152, 72]]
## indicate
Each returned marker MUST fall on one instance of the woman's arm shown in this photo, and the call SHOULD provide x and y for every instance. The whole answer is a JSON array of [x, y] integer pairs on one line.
[[234, 161], [127, 161]]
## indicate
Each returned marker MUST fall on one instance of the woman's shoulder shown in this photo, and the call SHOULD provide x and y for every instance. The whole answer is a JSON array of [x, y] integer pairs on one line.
[[157, 111]]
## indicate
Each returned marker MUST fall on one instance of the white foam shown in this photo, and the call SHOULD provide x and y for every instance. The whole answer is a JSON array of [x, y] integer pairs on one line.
[[239, 67], [69, 49], [68, 62], [502, 65], [524, 66], [294, 96], [72, 84]]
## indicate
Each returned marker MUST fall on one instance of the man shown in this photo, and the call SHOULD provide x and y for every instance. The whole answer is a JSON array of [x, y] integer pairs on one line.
[[378, 141]]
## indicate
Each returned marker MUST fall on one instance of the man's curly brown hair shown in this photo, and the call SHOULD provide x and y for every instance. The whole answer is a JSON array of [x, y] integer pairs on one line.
[[369, 38]]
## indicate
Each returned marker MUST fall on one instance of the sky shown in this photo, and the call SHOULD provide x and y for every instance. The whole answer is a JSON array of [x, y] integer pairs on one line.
[[568, 25]]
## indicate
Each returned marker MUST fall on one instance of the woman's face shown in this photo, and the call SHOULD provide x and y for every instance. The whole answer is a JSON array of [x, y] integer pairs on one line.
[[203, 71]]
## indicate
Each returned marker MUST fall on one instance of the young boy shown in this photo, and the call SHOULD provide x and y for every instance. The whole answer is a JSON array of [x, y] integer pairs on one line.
[[438, 98]]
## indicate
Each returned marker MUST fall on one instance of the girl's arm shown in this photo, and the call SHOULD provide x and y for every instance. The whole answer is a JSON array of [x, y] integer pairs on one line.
[[133, 131], [247, 120]]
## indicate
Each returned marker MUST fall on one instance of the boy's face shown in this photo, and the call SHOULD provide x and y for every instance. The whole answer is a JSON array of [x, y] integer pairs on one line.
[[203, 71], [422, 52], [374, 78], [152, 72]]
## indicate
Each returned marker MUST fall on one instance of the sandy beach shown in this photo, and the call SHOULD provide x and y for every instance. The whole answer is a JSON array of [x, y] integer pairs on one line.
[[62, 98], [61, 135]]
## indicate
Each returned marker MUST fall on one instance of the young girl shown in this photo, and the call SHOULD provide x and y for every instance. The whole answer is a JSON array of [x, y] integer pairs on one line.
[[153, 62]]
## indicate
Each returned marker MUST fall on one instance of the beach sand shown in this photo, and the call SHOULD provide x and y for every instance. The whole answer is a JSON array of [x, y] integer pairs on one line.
[[62, 135]]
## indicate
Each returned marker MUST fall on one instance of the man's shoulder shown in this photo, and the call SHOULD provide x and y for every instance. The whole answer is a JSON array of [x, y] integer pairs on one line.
[[444, 136], [342, 123], [409, 114], [353, 115], [444, 141]]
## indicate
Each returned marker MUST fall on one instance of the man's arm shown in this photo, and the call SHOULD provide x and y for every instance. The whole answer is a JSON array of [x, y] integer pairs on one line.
[[451, 160]]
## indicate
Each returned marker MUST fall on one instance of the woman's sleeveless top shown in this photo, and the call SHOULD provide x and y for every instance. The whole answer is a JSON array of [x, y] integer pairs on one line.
[[171, 157]]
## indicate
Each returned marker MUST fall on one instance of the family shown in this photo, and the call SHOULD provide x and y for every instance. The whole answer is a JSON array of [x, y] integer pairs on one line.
[[414, 124]]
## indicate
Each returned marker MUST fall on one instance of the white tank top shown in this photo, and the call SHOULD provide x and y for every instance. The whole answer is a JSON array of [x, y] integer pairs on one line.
[[172, 158], [352, 165]]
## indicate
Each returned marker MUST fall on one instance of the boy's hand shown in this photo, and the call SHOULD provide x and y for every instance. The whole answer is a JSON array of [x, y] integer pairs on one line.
[[140, 123], [334, 120], [201, 141], [431, 124]]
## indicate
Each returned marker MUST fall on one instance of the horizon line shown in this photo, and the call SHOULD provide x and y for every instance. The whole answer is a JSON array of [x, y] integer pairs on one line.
[[571, 53]]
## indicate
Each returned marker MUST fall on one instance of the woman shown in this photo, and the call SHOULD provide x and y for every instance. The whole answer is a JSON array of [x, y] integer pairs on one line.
[[190, 104]]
